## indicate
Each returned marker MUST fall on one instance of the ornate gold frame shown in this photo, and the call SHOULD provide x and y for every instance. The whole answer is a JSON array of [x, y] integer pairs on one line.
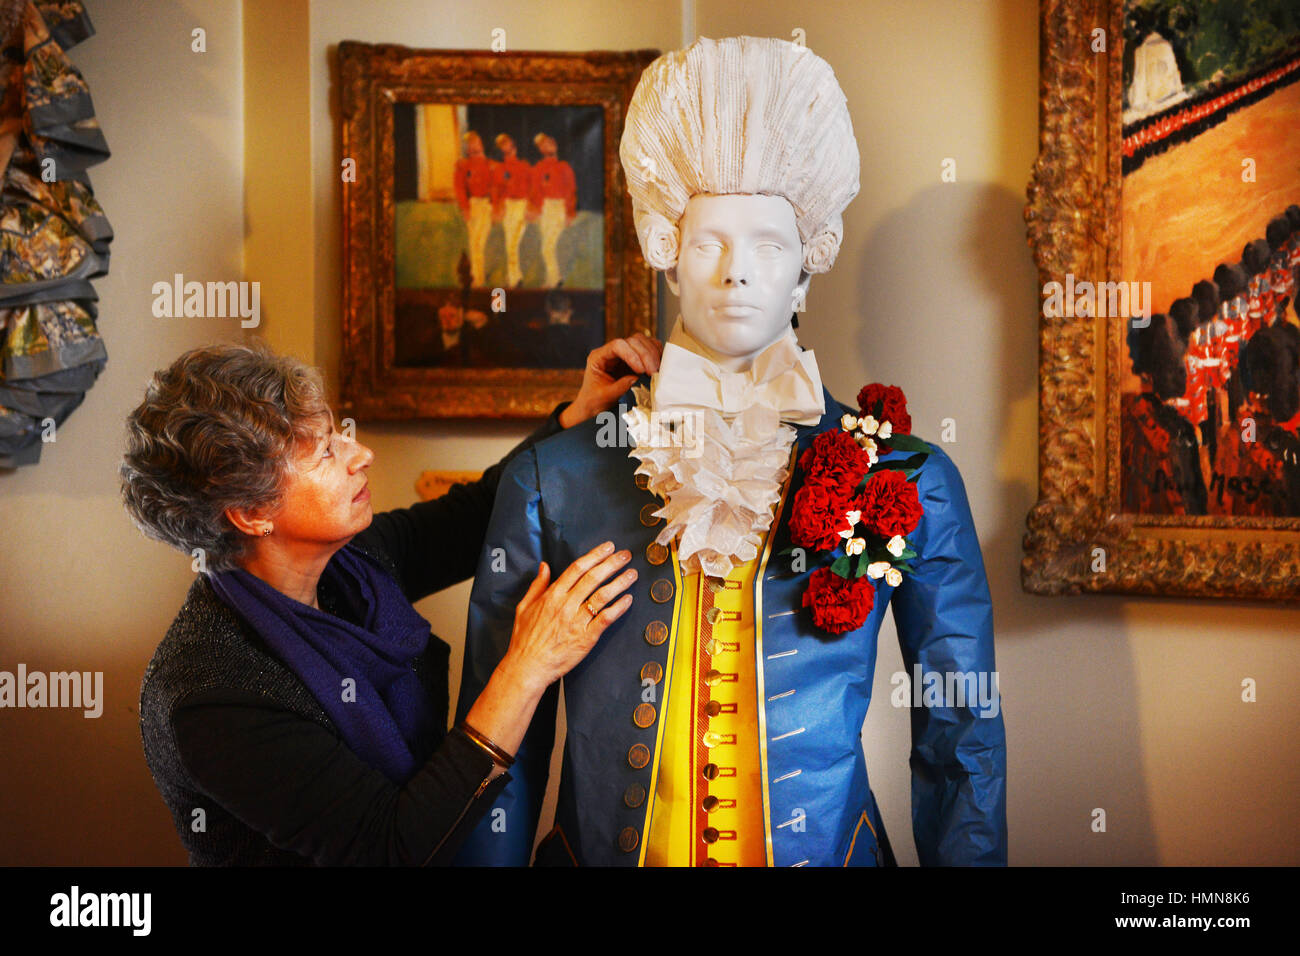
[[1073, 218], [373, 77]]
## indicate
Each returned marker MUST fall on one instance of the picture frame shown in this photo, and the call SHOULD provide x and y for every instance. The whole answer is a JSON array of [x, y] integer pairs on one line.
[[1084, 534], [478, 275]]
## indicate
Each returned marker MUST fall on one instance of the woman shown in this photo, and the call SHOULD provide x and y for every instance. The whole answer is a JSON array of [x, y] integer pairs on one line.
[[295, 713]]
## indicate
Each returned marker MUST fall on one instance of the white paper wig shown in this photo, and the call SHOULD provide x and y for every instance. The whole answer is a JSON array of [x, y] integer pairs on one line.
[[740, 115]]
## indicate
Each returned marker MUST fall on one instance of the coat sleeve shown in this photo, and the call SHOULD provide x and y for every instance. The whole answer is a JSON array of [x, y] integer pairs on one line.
[[944, 616], [306, 791], [511, 554]]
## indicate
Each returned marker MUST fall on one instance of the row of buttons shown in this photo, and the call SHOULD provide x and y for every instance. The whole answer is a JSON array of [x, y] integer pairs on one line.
[[644, 715], [656, 633]]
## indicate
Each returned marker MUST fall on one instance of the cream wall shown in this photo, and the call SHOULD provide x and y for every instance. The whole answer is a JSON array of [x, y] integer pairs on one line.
[[1125, 704]]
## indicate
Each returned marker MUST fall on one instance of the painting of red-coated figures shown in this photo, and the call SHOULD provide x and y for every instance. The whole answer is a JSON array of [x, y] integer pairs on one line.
[[1210, 247], [498, 203], [488, 240]]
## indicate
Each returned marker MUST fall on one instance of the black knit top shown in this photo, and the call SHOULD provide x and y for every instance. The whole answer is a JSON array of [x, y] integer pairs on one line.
[[253, 770]]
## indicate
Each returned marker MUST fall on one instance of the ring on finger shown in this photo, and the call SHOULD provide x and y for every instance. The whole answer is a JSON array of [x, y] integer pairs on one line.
[[589, 609]]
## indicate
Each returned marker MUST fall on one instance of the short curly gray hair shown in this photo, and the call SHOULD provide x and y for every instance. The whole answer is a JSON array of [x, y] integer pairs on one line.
[[218, 428]]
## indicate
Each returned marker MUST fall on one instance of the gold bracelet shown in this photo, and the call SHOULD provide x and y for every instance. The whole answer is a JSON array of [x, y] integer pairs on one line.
[[498, 755]]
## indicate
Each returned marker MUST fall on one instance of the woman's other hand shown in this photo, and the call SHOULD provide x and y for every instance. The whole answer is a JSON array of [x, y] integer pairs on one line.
[[556, 626], [611, 370]]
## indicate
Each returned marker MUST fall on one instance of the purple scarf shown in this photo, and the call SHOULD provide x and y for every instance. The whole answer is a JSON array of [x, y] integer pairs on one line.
[[384, 715]]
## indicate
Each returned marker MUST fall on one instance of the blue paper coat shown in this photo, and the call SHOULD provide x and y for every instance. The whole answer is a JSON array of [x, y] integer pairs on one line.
[[564, 496]]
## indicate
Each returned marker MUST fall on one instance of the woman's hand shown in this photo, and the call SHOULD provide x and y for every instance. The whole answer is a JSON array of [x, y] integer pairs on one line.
[[556, 626], [611, 370]]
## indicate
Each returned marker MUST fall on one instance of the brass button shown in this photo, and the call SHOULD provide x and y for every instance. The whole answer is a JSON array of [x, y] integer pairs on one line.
[[715, 584], [628, 838], [644, 715], [711, 738], [638, 755], [713, 678], [710, 834], [648, 516], [634, 795], [710, 770], [643, 482], [661, 591], [713, 708], [652, 671], [656, 553], [712, 615], [710, 803], [656, 632]]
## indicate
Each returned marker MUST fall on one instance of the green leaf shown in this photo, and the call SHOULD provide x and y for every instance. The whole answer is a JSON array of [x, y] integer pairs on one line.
[[906, 442], [841, 566], [906, 465]]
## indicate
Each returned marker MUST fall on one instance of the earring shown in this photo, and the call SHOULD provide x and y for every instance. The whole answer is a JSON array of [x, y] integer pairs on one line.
[[265, 532]]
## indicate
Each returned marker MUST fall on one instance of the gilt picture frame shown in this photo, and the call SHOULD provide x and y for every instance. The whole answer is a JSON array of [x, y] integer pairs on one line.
[[1114, 182], [488, 240]]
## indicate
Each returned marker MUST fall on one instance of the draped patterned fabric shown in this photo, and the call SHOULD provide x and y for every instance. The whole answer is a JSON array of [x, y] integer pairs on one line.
[[54, 236]]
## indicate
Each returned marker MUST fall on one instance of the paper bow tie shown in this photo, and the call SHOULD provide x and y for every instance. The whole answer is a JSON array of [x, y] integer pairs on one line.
[[782, 378]]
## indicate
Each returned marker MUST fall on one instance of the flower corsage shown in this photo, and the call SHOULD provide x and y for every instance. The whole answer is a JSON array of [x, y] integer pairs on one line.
[[858, 508]]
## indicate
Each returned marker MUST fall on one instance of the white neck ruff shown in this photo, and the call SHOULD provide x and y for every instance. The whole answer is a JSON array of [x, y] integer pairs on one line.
[[720, 472]]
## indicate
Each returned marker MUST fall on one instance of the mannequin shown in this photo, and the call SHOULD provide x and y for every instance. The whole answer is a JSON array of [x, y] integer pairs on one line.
[[717, 723]]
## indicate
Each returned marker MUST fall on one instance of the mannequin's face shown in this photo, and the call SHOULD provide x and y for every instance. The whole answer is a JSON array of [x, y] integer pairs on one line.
[[738, 266]]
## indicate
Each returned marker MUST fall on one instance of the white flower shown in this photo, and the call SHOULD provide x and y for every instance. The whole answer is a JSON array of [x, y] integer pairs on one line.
[[869, 424], [886, 430], [896, 545], [869, 446], [852, 517], [849, 422], [893, 577], [855, 546], [877, 569]]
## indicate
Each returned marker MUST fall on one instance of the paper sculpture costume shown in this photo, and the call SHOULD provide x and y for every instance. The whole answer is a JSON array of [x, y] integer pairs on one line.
[[718, 721]]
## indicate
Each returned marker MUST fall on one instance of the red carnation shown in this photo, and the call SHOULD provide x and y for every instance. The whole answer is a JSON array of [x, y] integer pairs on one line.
[[889, 504], [886, 403], [838, 604], [835, 459], [817, 516]]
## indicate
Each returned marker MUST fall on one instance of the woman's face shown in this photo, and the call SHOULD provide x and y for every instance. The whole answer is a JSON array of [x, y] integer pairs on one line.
[[326, 496]]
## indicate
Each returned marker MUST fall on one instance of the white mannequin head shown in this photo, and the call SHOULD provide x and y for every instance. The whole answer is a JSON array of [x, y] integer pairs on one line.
[[738, 274]]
